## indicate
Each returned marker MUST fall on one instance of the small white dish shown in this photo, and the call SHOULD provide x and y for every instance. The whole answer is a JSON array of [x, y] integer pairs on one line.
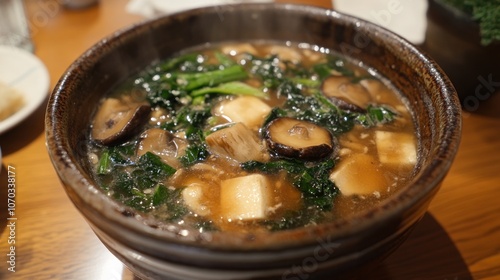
[[24, 72]]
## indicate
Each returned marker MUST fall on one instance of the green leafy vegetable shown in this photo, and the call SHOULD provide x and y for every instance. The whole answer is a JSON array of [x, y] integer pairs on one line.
[[194, 154], [181, 62], [332, 65], [160, 195], [155, 167], [376, 115], [314, 108], [268, 70], [296, 219], [486, 13], [191, 81], [104, 165], [312, 181], [234, 88], [224, 59]]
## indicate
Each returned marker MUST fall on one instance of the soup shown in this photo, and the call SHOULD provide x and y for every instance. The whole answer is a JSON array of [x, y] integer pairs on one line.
[[252, 136]]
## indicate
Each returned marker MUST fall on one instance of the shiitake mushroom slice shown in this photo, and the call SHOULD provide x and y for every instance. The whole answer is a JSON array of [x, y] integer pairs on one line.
[[164, 144], [345, 94], [345, 105], [118, 119], [292, 138]]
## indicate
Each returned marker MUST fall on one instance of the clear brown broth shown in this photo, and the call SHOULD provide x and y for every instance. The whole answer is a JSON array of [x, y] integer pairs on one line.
[[286, 197]]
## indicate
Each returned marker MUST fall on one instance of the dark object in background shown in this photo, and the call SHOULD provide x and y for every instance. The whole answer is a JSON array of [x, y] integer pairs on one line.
[[453, 40]]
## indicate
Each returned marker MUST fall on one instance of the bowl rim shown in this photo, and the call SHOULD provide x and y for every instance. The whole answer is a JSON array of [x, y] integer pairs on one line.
[[83, 189]]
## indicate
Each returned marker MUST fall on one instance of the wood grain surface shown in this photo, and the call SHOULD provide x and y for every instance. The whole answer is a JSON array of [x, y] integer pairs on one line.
[[459, 238]]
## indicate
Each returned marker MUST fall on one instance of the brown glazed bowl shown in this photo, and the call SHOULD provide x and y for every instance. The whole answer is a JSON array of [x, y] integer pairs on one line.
[[331, 250]]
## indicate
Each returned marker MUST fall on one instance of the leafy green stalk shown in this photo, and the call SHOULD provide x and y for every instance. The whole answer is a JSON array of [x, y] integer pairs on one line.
[[307, 82], [193, 81], [176, 61], [235, 88], [104, 165], [224, 59]]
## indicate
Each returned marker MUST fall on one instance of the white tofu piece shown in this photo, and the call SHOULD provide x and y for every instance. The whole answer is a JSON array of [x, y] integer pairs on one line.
[[237, 142], [192, 196], [396, 147], [245, 198], [358, 174], [249, 110]]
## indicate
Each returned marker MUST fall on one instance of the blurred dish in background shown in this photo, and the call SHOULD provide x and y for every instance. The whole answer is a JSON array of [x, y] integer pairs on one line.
[[24, 74]]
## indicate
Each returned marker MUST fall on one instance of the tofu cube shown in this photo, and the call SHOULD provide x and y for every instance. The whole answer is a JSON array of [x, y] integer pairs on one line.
[[248, 110], [396, 147], [245, 198], [358, 174], [193, 198]]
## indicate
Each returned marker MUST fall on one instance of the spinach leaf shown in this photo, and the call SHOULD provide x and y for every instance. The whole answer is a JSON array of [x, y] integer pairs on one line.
[[194, 154], [376, 115], [155, 167], [268, 70], [296, 219], [312, 181]]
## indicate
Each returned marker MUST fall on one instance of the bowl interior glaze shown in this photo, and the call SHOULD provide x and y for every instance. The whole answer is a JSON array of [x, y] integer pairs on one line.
[[424, 87]]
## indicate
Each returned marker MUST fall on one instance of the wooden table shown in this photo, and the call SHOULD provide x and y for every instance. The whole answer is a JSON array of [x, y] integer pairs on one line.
[[459, 238]]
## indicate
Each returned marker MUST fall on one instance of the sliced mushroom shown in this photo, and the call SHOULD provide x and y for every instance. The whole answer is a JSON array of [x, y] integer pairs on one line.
[[164, 144], [346, 106], [119, 119], [352, 96], [285, 53], [237, 142], [291, 138], [239, 49]]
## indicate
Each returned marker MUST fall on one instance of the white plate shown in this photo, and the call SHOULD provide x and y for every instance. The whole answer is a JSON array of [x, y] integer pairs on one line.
[[24, 72]]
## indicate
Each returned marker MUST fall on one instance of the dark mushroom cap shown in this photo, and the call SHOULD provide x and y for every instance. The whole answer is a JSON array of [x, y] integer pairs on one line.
[[292, 138], [117, 120], [346, 105], [163, 144], [345, 94]]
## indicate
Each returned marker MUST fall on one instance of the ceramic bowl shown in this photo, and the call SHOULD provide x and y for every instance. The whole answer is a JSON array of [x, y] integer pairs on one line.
[[154, 250]]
